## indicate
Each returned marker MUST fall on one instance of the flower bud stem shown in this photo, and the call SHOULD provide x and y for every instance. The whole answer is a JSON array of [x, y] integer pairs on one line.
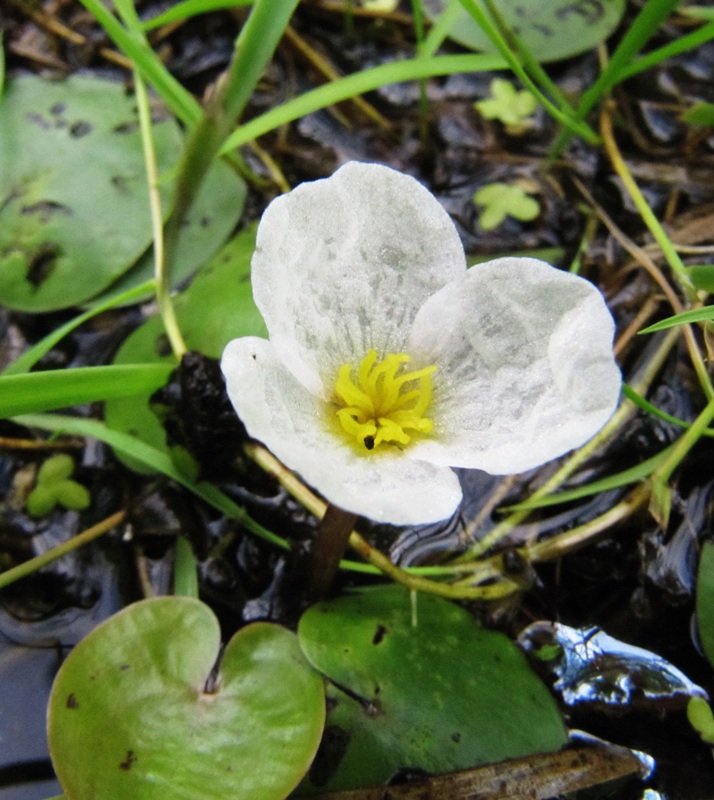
[[328, 548]]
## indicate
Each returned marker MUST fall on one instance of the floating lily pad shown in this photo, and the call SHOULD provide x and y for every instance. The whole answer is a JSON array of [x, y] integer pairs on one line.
[[74, 209], [550, 29], [217, 307], [705, 600], [136, 711], [421, 687]]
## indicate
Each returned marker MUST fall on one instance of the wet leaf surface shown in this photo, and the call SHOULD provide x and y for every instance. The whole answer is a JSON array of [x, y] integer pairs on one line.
[[141, 688], [74, 198], [421, 687]]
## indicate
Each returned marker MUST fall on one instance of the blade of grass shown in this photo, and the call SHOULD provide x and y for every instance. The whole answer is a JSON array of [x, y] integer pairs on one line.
[[627, 476], [645, 405], [191, 8], [440, 29], [705, 314], [255, 46], [43, 391], [30, 357], [643, 28], [365, 81], [135, 46], [2, 63], [681, 44]]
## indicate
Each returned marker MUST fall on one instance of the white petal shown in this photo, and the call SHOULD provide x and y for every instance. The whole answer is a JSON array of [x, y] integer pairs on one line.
[[525, 370], [342, 265], [303, 432]]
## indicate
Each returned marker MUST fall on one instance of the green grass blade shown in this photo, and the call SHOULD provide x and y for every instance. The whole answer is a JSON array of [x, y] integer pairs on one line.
[[152, 458], [693, 315], [256, 44], [645, 25], [30, 357], [567, 118], [359, 83], [135, 47], [632, 475], [2, 63], [681, 44], [191, 8], [645, 405], [43, 391], [440, 29]]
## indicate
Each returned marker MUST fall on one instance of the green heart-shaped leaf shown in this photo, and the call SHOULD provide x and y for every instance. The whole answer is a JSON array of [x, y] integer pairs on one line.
[[426, 688], [136, 711]]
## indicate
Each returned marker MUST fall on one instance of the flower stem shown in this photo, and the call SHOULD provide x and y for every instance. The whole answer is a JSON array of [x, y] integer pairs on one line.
[[328, 548]]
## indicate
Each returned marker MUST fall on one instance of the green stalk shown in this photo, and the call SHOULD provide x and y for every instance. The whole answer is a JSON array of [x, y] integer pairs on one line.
[[254, 49], [185, 569], [163, 284], [38, 562], [648, 216]]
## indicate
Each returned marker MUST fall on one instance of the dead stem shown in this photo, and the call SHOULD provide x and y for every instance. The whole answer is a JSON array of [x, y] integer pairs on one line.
[[328, 548]]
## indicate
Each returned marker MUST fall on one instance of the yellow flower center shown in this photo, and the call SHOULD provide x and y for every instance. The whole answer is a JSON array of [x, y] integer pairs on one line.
[[385, 401]]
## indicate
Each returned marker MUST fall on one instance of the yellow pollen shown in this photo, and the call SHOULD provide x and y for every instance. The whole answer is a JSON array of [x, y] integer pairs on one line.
[[384, 402]]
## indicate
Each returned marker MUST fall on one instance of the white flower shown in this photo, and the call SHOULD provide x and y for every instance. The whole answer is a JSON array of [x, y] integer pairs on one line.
[[390, 362]]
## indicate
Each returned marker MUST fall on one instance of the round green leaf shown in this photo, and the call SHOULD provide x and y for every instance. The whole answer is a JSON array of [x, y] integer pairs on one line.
[[421, 687], [136, 711], [56, 468], [209, 222], [74, 207], [550, 29], [73, 192]]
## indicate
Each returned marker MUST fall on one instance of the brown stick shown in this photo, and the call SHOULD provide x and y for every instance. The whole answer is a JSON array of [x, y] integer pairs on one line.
[[531, 778]]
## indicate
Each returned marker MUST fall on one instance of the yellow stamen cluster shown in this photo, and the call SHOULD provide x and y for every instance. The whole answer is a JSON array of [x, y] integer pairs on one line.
[[384, 402]]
